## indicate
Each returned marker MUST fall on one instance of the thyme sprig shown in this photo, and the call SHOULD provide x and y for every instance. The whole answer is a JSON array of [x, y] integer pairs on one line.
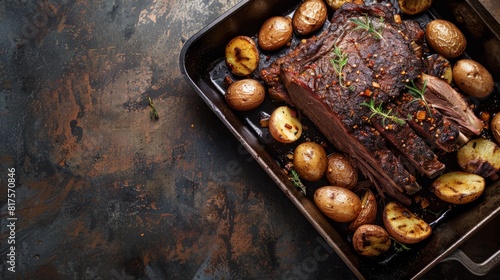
[[153, 114], [399, 247], [418, 94], [367, 24], [294, 177], [379, 110], [339, 62]]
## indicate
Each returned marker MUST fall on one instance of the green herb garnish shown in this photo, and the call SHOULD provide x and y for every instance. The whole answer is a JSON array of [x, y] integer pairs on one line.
[[378, 110], [154, 113], [339, 62], [399, 247], [418, 94], [294, 177], [367, 24]]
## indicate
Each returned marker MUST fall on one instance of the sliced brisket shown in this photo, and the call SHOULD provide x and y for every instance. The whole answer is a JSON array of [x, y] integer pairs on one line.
[[365, 57]]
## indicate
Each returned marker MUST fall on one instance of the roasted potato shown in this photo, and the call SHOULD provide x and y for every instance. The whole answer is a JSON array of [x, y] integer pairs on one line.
[[472, 78], [284, 126], [413, 7], [338, 204], [341, 172], [244, 95], [440, 66], [335, 4], [309, 16], [275, 33], [479, 156], [371, 240], [458, 187], [403, 225], [242, 56], [310, 161], [445, 38], [368, 211], [495, 127]]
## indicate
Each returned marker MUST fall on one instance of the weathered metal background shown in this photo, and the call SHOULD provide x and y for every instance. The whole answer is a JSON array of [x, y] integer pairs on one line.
[[103, 191]]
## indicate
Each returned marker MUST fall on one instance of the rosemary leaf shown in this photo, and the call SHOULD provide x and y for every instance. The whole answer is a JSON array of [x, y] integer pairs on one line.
[[338, 63], [418, 94], [294, 177], [367, 24], [378, 110], [154, 113]]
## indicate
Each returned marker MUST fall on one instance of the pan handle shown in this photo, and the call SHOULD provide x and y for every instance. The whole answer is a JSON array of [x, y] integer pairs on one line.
[[479, 269]]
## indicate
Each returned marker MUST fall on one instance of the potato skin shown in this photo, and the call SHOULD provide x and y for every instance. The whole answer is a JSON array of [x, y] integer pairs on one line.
[[368, 211], [275, 33], [341, 172], [310, 161], [284, 126], [445, 38], [371, 240], [309, 16], [403, 225], [472, 78], [338, 204], [413, 7], [495, 127], [241, 55], [244, 95], [335, 4], [458, 187], [479, 156]]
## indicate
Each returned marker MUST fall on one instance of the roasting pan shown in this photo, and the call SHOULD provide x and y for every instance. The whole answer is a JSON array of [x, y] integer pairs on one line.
[[201, 62]]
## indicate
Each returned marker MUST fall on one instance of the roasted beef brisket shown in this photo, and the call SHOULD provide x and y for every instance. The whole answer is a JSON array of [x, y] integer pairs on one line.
[[350, 80]]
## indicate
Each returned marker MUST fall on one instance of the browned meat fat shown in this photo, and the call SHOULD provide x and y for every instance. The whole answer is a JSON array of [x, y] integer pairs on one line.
[[349, 81]]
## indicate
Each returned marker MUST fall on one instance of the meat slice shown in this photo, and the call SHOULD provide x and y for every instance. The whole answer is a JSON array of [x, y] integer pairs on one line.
[[369, 152], [364, 57], [444, 98], [429, 123]]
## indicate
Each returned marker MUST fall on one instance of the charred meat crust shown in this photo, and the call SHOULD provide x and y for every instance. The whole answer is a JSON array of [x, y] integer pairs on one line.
[[331, 76]]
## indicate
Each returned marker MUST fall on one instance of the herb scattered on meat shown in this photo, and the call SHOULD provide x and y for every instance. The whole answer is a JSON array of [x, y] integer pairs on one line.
[[367, 24], [339, 62], [379, 110]]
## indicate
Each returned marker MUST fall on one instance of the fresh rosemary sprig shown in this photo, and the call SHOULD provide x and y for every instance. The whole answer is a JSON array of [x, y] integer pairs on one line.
[[339, 62], [294, 177], [418, 94], [378, 110], [154, 113], [367, 24]]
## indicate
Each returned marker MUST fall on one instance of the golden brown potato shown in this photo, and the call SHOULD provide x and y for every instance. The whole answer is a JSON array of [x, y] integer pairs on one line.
[[495, 127], [335, 4], [284, 126], [368, 211], [310, 161], [338, 204], [479, 156], [445, 38], [341, 172], [275, 33], [371, 240], [244, 95], [309, 16], [242, 56], [403, 225], [472, 78], [413, 7], [458, 187]]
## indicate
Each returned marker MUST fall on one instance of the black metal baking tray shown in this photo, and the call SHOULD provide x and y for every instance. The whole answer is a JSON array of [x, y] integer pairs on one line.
[[201, 62]]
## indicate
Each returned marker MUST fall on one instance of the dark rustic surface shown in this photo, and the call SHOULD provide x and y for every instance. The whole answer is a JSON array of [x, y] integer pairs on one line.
[[103, 191]]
